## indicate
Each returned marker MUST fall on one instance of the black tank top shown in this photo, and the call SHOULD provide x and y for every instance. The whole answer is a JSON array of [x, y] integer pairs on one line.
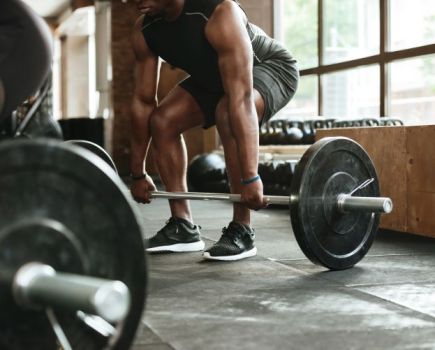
[[183, 44]]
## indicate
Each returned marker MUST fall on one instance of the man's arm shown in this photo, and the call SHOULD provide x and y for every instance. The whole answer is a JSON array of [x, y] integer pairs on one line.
[[226, 32], [144, 98]]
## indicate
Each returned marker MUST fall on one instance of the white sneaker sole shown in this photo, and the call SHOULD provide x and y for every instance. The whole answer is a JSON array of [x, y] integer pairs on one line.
[[248, 254], [178, 248]]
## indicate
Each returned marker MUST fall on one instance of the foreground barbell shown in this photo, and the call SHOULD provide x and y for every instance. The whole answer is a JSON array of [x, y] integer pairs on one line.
[[68, 233], [333, 226], [65, 208], [96, 149]]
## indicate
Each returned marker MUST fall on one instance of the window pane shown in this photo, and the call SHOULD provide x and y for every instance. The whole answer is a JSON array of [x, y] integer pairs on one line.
[[351, 29], [413, 90], [304, 103], [352, 93], [412, 23], [299, 29]]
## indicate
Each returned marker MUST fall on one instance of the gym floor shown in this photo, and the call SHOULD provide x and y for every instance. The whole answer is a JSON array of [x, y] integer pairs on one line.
[[279, 299]]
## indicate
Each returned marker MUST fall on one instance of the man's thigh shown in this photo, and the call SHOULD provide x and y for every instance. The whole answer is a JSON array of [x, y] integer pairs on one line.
[[222, 109], [207, 100], [180, 110]]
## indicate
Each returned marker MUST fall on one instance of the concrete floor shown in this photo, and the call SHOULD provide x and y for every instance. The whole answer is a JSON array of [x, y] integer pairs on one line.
[[279, 299]]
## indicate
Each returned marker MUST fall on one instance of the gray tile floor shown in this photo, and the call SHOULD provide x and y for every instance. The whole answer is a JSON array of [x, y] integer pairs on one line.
[[279, 299]]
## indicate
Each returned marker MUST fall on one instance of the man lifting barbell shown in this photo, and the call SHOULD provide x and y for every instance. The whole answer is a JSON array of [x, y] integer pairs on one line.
[[239, 77]]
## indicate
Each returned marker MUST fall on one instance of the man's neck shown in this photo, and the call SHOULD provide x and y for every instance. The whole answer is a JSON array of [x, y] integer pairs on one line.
[[174, 10]]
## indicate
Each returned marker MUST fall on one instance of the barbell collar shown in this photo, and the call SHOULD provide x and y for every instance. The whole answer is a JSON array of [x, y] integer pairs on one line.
[[38, 285], [347, 203]]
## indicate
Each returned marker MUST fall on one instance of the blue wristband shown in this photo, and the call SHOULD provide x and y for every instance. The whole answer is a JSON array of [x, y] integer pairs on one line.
[[251, 180]]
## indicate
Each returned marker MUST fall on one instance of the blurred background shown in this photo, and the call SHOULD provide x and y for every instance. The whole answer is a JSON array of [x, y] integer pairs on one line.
[[357, 59]]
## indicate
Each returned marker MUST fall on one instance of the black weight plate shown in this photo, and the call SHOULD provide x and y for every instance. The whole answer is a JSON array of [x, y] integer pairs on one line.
[[198, 172], [62, 205], [96, 149], [330, 167]]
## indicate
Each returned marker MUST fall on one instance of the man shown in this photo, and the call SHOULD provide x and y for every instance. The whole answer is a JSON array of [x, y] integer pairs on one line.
[[239, 77]]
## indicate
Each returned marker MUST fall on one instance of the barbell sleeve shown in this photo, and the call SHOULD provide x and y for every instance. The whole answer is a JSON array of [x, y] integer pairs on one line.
[[348, 203], [38, 285]]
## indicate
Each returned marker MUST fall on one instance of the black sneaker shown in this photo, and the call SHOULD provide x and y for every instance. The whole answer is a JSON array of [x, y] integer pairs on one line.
[[178, 235], [236, 242]]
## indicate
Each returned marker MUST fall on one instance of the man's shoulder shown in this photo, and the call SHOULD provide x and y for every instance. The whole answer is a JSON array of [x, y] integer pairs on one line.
[[206, 7], [146, 21], [227, 11], [139, 22]]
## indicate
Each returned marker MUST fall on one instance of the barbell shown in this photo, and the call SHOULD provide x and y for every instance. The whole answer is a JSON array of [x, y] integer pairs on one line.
[[333, 226], [96, 149], [72, 259], [344, 202], [69, 233]]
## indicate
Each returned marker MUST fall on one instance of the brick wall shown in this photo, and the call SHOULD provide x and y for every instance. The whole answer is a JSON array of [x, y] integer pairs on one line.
[[123, 18], [260, 12]]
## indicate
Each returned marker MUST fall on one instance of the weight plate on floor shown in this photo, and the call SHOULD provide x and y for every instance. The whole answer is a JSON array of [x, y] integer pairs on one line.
[[62, 205], [96, 149], [328, 168]]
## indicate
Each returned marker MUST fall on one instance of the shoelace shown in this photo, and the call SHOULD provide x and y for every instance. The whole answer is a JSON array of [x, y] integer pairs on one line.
[[231, 234], [172, 220], [168, 222]]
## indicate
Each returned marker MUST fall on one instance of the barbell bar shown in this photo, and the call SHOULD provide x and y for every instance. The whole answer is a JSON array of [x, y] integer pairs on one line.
[[345, 202]]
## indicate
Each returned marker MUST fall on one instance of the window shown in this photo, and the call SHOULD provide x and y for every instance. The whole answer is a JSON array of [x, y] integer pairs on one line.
[[412, 84], [412, 23], [352, 93], [351, 29], [299, 31], [304, 103], [361, 58]]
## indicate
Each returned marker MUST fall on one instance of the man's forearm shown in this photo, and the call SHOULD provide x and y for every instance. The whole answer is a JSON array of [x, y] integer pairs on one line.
[[244, 124], [141, 113]]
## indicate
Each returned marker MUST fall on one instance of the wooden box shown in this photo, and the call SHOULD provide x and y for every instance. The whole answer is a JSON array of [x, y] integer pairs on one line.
[[404, 158]]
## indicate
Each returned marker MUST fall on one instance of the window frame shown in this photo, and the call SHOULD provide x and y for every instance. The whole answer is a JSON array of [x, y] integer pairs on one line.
[[383, 58]]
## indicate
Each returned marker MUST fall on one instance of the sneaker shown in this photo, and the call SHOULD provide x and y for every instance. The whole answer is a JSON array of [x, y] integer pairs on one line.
[[178, 235], [236, 242]]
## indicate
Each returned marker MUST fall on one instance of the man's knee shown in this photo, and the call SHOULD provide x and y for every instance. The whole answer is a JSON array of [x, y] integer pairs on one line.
[[161, 126]]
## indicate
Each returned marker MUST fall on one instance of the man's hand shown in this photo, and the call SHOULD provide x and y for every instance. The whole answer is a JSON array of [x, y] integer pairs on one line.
[[140, 189], [252, 195]]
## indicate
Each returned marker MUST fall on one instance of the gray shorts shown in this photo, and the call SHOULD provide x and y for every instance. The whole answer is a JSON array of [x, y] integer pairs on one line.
[[275, 78]]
